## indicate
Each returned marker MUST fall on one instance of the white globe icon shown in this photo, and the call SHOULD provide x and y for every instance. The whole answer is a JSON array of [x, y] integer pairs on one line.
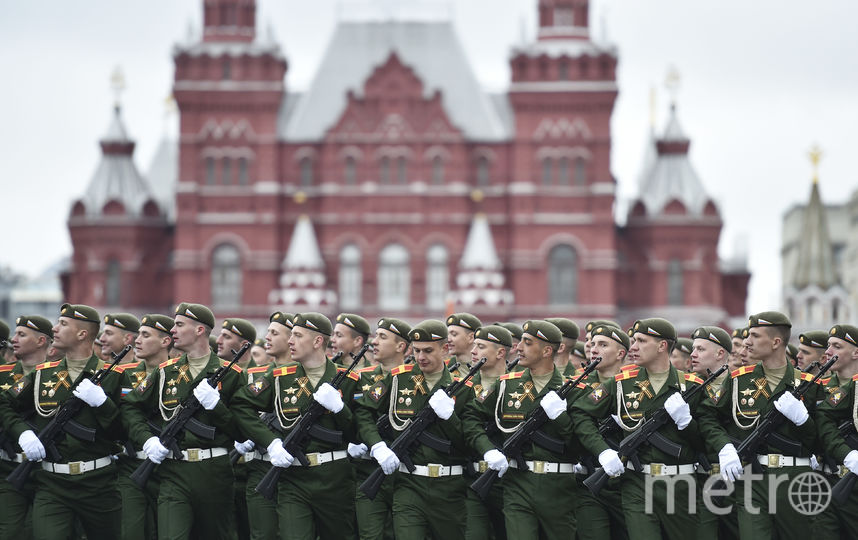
[[809, 493]]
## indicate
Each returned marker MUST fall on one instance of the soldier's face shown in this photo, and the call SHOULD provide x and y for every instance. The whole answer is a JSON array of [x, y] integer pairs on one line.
[[588, 344], [385, 344], [846, 353], [303, 343], [492, 352], [277, 339], [429, 355], [532, 350], [459, 340], [342, 340], [226, 343], [26, 341], [647, 348], [705, 355], [112, 340], [609, 351], [679, 359], [184, 332], [759, 344], [808, 355], [65, 333], [257, 354], [150, 343]]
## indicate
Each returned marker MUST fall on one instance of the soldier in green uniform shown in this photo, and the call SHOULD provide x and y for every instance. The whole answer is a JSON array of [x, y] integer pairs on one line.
[[30, 342], [792, 355], [82, 486], [563, 356], [460, 339], [811, 348], [195, 497], [515, 331], [680, 356], [739, 356], [317, 500], [579, 355], [257, 353], [427, 501], [750, 393], [588, 334], [120, 329], [350, 333]]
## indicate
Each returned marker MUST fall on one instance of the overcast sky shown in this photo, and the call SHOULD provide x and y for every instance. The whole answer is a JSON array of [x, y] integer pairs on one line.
[[761, 81]]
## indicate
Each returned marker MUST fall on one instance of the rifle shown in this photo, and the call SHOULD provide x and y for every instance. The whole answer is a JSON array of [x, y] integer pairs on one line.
[[409, 359], [530, 431], [270, 420], [648, 433], [513, 363], [305, 429], [844, 487], [413, 434], [184, 419], [63, 422]]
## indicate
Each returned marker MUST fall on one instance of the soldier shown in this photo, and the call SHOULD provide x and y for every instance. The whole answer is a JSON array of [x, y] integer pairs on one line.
[[277, 338], [515, 331], [792, 354], [350, 334], [257, 353], [750, 393], [317, 500], [6, 353], [196, 494], [120, 329], [460, 338], [588, 333], [83, 486], [811, 349], [739, 355], [579, 354], [680, 356], [562, 359]]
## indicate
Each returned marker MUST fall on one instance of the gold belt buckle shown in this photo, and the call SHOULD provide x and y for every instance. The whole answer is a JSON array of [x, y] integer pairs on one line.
[[716, 469], [193, 454], [539, 467], [774, 461], [434, 471], [483, 466], [313, 458], [842, 471], [656, 469], [75, 467]]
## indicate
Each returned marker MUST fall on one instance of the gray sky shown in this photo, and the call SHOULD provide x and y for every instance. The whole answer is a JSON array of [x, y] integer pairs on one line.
[[761, 81]]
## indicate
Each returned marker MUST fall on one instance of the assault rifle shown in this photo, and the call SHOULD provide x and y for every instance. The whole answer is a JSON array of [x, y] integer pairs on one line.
[[844, 487], [513, 363], [183, 419], [411, 435], [530, 431], [63, 422], [305, 429]]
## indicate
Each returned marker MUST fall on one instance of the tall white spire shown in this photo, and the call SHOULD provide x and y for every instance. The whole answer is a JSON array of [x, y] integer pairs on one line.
[[480, 280], [302, 282]]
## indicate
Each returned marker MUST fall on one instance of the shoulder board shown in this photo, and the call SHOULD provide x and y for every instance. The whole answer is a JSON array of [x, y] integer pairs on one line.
[[742, 371], [48, 365], [627, 374], [234, 366], [7, 367], [404, 368], [122, 367], [855, 377], [629, 366], [169, 362], [351, 374], [285, 370], [512, 375], [582, 386], [469, 384], [368, 369], [825, 381], [692, 377], [257, 369], [579, 371], [806, 376]]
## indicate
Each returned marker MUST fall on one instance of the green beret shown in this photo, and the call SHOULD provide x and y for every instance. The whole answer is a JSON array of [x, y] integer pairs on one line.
[[769, 318], [543, 330], [684, 345], [496, 334], [213, 344], [259, 342], [4, 330], [846, 332], [355, 322], [513, 329], [656, 327], [123, 321], [740, 333], [80, 312], [313, 321], [397, 326], [612, 332], [566, 326], [716, 335], [158, 322], [791, 351], [465, 320], [241, 328], [580, 351], [282, 318], [197, 312], [592, 324], [815, 338], [429, 330], [37, 323]]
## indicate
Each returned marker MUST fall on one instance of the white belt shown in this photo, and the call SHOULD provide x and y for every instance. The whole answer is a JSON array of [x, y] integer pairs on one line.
[[199, 454], [77, 467], [776, 461], [256, 454], [434, 470], [319, 458], [17, 458], [545, 467], [660, 469], [138, 455]]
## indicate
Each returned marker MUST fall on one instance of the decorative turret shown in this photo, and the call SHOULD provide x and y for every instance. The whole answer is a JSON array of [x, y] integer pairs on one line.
[[229, 20], [564, 19], [480, 279], [302, 282]]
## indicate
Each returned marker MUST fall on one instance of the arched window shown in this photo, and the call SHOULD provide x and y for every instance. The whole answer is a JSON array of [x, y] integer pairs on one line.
[[402, 170], [437, 277], [242, 171], [226, 172], [113, 283], [226, 69], [210, 171], [546, 171], [483, 171], [437, 171], [385, 170], [562, 276], [675, 286], [563, 171], [393, 277], [350, 176], [350, 277], [306, 171], [580, 171], [563, 70], [226, 276]]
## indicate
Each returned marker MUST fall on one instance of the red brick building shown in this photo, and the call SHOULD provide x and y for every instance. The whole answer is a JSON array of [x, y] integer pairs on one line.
[[396, 185]]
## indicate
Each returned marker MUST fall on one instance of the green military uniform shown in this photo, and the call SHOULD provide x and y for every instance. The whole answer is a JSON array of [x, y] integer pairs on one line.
[[16, 520]]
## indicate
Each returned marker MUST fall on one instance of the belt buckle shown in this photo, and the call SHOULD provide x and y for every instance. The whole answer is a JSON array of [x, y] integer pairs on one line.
[[656, 469], [716, 469], [313, 458], [75, 467], [434, 471], [193, 454], [842, 471], [483, 467], [539, 467], [775, 461], [241, 459]]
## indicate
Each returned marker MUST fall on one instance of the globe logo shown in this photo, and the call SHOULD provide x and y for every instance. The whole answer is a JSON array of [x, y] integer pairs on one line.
[[809, 493]]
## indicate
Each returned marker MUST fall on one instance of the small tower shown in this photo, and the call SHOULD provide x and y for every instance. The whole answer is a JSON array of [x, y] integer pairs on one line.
[[229, 20], [302, 283], [480, 281]]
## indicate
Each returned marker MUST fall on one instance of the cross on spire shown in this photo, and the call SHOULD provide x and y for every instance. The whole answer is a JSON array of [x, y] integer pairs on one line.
[[117, 83], [815, 154], [671, 82]]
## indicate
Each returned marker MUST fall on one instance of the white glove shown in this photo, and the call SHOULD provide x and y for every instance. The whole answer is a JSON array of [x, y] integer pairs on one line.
[[329, 398], [357, 451], [611, 463], [206, 395], [89, 393], [793, 409], [678, 409], [442, 404], [385, 457], [578, 468], [814, 464], [279, 456], [553, 405], [496, 461], [155, 451], [729, 462], [851, 461], [244, 447], [31, 445], [617, 420]]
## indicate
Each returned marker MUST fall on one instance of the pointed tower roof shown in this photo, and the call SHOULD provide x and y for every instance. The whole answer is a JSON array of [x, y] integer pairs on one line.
[[163, 175], [816, 256], [302, 282], [479, 252], [303, 250], [480, 280]]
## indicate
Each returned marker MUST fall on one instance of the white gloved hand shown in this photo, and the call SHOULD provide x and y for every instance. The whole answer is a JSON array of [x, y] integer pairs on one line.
[[793, 409], [329, 398], [89, 393], [496, 461], [578, 468], [279, 456], [31, 445], [814, 464], [851, 461], [553, 405], [442, 404], [617, 420], [244, 447], [729, 462], [678, 409], [385, 457], [357, 451], [611, 463], [206, 395], [154, 450]]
